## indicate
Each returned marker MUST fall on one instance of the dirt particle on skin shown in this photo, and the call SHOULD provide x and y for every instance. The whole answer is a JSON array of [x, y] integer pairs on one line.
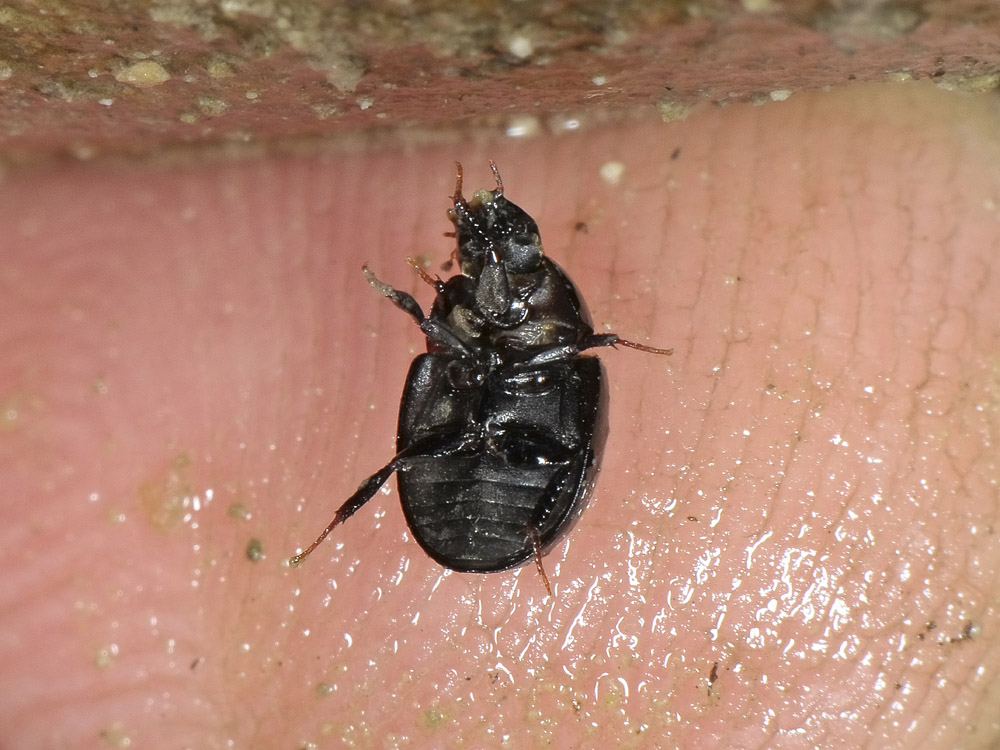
[[324, 689], [612, 172], [106, 656], [143, 73], [211, 106], [219, 68], [980, 84], [672, 110], [255, 550], [239, 511], [117, 736], [167, 500], [434, 718]]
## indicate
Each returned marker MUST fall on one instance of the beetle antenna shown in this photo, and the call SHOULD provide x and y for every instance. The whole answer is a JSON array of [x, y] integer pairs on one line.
[[458, 198], [460, 213], [426, 277], [496, 176]]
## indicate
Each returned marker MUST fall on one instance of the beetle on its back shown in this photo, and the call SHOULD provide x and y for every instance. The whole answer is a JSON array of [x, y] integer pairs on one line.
[[502, 422]]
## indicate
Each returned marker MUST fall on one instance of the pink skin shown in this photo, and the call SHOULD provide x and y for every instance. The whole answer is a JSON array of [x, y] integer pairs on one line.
[[792, 539]]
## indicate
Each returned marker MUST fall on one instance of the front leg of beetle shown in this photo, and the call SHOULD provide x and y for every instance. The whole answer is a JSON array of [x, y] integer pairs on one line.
[[432, 329]]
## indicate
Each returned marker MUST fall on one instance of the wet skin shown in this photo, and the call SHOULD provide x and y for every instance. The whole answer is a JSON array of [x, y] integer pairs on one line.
[[792, 539]]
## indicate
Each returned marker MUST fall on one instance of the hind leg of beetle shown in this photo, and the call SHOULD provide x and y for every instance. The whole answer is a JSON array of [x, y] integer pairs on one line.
[[536, 545], [364, 493], [541, 520], [435, 445], [613, 339]]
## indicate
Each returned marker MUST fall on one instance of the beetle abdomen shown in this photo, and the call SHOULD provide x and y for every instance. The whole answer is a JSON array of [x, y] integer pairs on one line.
[[512, 461], [467, 511]]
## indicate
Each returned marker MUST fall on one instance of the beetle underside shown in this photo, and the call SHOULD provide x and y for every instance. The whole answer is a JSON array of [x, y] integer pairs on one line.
[[502, 422]]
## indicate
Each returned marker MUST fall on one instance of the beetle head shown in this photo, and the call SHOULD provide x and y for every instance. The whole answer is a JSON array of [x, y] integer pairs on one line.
[[489, 224]]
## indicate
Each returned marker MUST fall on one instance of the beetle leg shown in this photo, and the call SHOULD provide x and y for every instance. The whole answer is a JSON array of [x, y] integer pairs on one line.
[[553, 354], [364, 493], [402, 300], [613, 339], [541, 515], [433, 329], [431, 446], [590, 342], [536, 546], [644, 348]]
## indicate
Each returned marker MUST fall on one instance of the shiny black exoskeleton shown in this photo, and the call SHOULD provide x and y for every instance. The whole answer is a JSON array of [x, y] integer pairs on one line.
[[502, 421]]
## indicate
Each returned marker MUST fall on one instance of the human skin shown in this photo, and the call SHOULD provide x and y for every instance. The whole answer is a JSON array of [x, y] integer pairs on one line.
[[791, 542]]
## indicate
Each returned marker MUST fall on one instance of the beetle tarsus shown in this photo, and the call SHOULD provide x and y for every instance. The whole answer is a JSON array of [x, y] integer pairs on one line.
[[295, 560], [613, 339], [643, 347]]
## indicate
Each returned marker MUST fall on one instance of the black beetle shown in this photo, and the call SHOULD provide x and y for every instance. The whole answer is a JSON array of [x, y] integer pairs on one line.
[[502, 421]]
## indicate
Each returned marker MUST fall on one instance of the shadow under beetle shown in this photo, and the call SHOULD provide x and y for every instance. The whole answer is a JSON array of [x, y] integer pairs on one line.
[[502, 421]]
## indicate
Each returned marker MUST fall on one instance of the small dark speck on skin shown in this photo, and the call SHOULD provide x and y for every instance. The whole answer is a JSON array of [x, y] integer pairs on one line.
[[581, 226], [968, 632], [239, 511], [693, 518], [255, 551], [196, 663], [714, 674], [675, 153]]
